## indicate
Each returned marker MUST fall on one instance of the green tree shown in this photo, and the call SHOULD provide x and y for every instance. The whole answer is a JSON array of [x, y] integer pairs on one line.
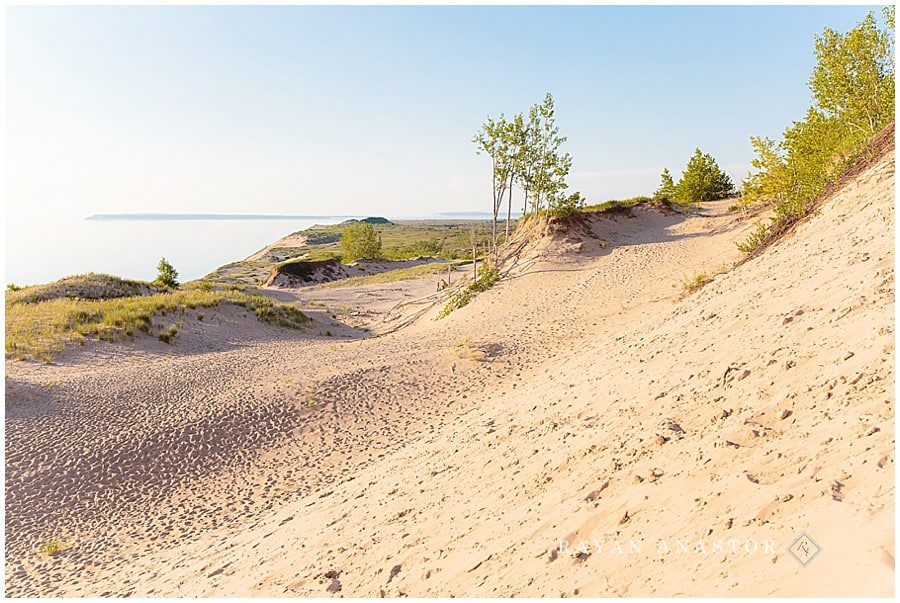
[[853, 79], [166, 275], [853, 88], [359, 241], [666, 190], [703, 180], [494, 139], [550, 166]]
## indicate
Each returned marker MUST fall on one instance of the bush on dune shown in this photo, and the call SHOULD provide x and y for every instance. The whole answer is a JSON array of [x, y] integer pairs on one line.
[[853, 87]]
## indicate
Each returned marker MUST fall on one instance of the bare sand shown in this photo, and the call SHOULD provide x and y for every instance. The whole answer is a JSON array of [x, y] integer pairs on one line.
[[580, 400]]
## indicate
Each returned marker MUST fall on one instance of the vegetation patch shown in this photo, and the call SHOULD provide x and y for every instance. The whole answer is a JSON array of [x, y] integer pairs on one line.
[[695, 283], [853, 87], [51, 548], [756, 238], [83, 286], [616, 205], [487, 279], [391, 276], [40, 330]]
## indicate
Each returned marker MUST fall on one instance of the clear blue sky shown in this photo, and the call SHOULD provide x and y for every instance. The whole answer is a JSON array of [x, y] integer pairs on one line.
[[371, 109]]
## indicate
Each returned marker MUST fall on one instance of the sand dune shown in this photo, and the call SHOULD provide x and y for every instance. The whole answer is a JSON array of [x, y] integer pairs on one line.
[[579, 400]]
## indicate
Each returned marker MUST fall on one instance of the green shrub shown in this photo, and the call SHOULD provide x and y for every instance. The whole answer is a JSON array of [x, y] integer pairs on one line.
[[168, 334], [567, 206], [54, 547], [702, 180], [755, 239], [359, 241]]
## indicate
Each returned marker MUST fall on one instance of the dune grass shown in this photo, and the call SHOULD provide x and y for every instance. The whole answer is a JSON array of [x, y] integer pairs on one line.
[[695, 283], [486, 279], [84, 286], [391, 276], [41, 330]]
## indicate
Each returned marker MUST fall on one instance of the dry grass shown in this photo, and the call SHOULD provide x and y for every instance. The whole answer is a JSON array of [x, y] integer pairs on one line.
[[695, 283], [40, 330]]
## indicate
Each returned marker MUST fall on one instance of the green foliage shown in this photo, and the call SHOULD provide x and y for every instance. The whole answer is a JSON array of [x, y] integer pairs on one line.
[[424, 247], [853, 87], [568, 206], [51, 548], [614, 204], [702, 180], [166, 275], [486, 279], [526, 151], [756, 238], [853, 79], [359, 241], [666, 191]]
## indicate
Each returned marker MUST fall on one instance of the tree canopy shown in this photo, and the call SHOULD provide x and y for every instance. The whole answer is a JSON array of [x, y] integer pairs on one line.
[[526, 151], [359, 241], [853, 89], [703, 180], [166, 275]]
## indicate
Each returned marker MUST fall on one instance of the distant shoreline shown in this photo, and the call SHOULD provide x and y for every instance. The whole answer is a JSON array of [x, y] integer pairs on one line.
[[158, 217], [460, 215]]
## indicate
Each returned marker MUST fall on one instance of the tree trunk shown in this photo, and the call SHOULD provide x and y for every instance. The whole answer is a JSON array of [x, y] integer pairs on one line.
[[509, 206]]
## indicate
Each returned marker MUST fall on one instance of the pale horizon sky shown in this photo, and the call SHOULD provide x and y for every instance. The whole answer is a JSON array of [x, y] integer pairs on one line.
[[371, 110]]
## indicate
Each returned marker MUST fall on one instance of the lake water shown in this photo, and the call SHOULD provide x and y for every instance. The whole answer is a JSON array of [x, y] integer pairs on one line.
[[51, 248], [132, 248]]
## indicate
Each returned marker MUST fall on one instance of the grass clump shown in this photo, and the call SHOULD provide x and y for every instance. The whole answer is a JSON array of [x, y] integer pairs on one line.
[[54, 547], [756, 238], [168, 334], [695, 283], [487, 279], [40, 330]]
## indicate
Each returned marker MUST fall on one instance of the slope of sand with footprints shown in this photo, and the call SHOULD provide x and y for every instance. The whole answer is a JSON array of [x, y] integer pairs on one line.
[[580, 400]]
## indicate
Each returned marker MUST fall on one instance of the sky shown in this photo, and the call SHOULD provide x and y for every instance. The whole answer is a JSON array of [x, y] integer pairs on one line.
[[371, 110]]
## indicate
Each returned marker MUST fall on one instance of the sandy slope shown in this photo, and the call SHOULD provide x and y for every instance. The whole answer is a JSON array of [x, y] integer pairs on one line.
[[575, 401]]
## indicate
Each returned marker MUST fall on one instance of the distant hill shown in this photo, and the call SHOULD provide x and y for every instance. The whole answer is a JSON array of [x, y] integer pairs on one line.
[[369, 220]]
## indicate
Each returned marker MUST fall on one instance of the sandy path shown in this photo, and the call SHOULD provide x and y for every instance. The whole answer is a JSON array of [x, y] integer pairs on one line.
[[398, 464]]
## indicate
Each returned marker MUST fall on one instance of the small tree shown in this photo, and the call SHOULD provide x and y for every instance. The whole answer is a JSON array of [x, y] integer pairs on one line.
[[666, 190], [567, 206], [166, 275], [853, 79], [359, 241], [703, 180]]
